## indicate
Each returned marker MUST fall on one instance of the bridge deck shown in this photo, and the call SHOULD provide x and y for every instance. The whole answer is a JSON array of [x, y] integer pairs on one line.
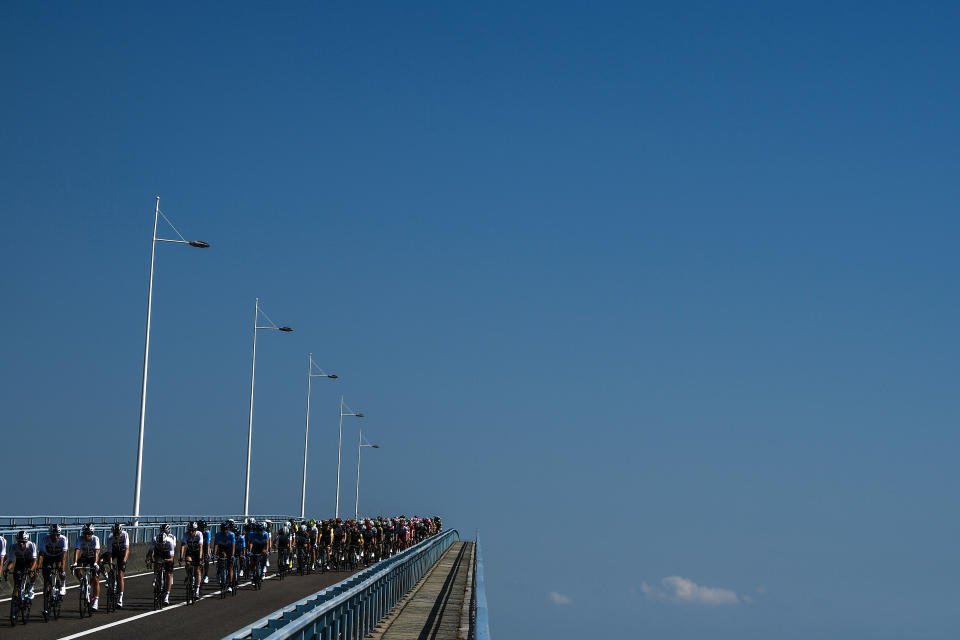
[[209, 618], [438, 607]]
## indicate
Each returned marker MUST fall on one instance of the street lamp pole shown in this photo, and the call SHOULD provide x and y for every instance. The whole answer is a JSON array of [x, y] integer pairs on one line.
[[336, 510], [253, 374], [306, 433], [360, 445], [146, 352]]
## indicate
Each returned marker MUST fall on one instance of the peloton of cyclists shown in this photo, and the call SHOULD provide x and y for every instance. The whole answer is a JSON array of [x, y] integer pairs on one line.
[[370, 539]]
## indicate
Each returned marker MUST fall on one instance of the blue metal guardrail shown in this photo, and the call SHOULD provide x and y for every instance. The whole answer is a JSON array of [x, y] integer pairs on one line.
[[148, 528], [350, 609], [481, 620]]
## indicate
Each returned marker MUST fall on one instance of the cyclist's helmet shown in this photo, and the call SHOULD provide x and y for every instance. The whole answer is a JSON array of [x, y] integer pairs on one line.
[[285, 531], [192, 526], [224, 526], [232, 523], [117, 529], [55, 529], [23, 536], [165, 528], [202, 524], [311, 522], [87, 530]]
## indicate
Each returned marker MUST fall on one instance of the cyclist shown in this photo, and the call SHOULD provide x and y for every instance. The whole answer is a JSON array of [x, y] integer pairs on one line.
[[313, 535], [192, 545], [85, 555], [23, 557], [53, 555], [240, 547], [117, 551], [268, 528], [388, 538], [162, 550], [283, 546], [3, 551], [339, 533], [205, 558], [224, 544], [356, 541], [258, 541], [302, 541]]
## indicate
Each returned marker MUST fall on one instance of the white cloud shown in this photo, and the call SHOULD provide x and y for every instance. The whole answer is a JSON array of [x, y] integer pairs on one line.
[[677, 589], [559, 599]]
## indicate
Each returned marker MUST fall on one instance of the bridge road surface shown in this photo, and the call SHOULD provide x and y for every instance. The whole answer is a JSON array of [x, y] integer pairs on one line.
[[211, 617]]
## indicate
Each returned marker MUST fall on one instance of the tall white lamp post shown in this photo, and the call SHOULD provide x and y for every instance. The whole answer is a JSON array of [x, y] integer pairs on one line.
[[253, 372], [306, 432], [350, 412], [146, 347]]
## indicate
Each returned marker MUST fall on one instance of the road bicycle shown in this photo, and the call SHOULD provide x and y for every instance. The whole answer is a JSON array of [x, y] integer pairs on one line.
[[337, 559], [113, 587], [87, 576], [239, 564], [283, 557], [20, 599], [204, 564], [353, 557], [190, 582], [52, 600], [223, 576], [160, 572], [255, 563], [303, 560], [323, 558]]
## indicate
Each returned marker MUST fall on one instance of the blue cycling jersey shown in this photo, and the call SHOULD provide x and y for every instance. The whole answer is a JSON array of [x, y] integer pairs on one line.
[[225, 540], [206, 536], [241, 542], [258, 539]]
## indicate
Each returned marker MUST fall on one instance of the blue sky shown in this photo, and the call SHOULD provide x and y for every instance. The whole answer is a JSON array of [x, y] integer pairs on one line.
[[660, 297]]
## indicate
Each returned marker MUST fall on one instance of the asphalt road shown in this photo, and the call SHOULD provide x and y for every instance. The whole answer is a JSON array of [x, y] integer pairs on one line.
[[211, 617]]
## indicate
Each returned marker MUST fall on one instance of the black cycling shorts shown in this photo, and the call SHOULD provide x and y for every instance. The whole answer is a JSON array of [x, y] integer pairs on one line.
[[116, 557], [193, 555]]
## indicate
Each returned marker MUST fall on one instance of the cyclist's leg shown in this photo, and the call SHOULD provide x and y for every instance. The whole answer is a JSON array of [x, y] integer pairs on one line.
[[95, 584], [169, 571], [121, 572]]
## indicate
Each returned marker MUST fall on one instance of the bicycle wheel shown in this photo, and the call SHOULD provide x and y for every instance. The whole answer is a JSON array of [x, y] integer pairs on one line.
[[47, 600], [25, 611], [57, 600], [82, 593], [14, 601], [111, 592], [158, 582]]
